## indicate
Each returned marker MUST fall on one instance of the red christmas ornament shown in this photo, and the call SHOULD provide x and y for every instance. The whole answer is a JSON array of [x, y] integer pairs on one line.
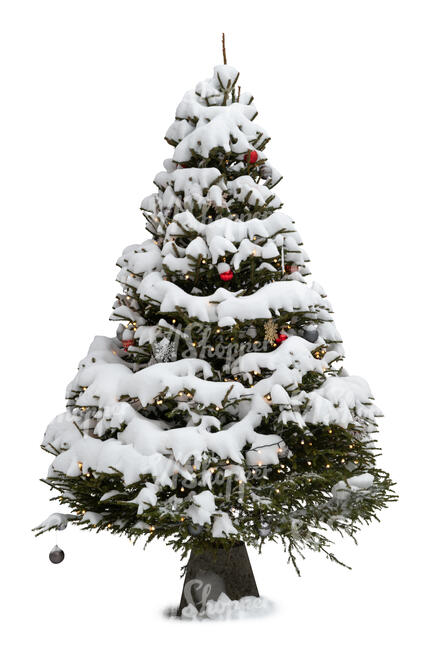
[[252, 156], [126, 344], [226, 276], [291, 268], [280, 338]]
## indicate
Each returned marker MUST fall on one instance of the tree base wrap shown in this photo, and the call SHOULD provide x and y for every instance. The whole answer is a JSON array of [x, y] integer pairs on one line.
[[215, 571]]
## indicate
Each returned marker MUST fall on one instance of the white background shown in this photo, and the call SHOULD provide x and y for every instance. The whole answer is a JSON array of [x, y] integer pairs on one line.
[[349, 93]]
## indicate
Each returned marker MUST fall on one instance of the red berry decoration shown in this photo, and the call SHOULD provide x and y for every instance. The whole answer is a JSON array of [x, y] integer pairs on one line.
[[280, 338], [291, 268], [252, 156], [126, 344], [226, 276]]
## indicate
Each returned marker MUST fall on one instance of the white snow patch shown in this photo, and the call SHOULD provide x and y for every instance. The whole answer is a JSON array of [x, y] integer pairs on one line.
[[226, 609]]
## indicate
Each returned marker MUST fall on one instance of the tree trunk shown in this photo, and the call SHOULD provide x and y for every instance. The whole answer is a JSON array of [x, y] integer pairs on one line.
[[217, 570]]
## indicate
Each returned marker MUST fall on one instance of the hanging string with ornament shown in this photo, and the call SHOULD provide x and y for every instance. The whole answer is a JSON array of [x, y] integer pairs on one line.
[[56, 555]]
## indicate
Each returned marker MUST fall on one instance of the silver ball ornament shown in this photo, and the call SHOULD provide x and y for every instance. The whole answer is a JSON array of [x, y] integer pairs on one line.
[[56, 555], [264, 529], [194, 529], [265, 172], [311, 335]]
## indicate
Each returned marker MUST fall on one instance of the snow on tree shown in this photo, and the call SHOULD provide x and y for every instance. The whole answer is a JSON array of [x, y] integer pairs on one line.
[[220, 412]]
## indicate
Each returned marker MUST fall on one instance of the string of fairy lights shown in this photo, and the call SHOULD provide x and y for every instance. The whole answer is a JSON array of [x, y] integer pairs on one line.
[[272, 488]]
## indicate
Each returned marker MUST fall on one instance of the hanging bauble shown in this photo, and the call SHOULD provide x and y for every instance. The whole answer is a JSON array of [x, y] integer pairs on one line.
[[227, 276], [311, 334], [291, 268], [56, 555], [265, 172], [127, 343], [252, 156], [194, 529], [120, 330], [281, 337], [252, 332], [264, 529]]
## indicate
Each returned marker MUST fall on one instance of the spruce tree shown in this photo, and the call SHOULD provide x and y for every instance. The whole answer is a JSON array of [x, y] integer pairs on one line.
[[220, 413]]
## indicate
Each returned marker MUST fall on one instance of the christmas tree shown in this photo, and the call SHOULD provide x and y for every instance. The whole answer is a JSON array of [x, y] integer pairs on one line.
[[220, 414]]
